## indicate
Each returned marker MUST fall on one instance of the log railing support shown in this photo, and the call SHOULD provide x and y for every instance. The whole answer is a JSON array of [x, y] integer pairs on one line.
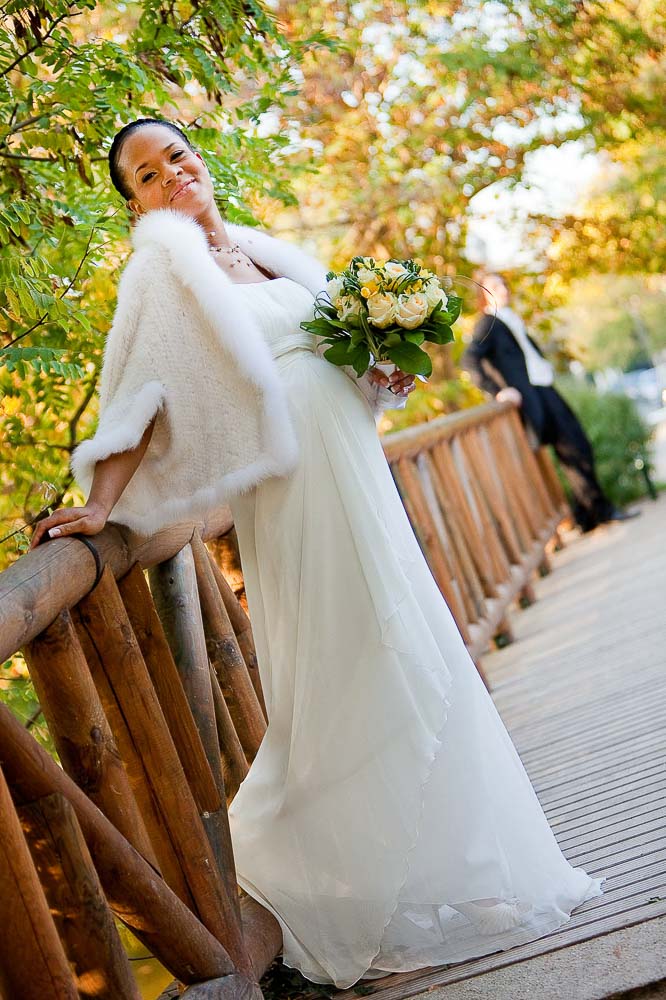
[[78, 905], [33, 964], [241, 626], [159, 660], [80, 730], [214, 892], [226, 656], [137, 896], [483, 507]]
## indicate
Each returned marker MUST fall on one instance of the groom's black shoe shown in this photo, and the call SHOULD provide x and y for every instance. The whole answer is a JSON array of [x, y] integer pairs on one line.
[[623, 515], [614, 514]]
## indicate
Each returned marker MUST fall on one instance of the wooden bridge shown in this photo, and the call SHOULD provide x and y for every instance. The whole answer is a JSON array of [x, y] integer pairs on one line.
[[582, 692], [152, 695]]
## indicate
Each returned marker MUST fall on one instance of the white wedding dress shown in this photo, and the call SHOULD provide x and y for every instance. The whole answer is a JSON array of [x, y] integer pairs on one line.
[[387, 821]]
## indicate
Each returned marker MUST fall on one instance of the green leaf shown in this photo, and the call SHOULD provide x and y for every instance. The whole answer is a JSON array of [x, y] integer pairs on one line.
[[440, 333], [415, 336], [453, 308], [340, 353], [360, 359], [410, 358]]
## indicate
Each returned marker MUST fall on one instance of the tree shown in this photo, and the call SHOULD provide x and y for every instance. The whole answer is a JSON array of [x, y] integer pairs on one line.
[[71, 73]]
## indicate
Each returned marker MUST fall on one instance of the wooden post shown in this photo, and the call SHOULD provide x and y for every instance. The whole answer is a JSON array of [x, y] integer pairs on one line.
[[423, 523], [134, 892], [234, 762], [153, 817], [262, 933], [486, 522], [241, 626], [226, 657], [493, 496], [163, 672], [173, 585], [80, 911], [529, 459], [174, 588], [33, 964], [503, 435], [450, 540], [500, 461], [552, 481], [80, 730], [214, 892], [454, 488]]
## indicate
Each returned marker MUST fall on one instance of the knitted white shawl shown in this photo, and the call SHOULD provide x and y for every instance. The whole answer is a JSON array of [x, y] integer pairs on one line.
[[181, 346]]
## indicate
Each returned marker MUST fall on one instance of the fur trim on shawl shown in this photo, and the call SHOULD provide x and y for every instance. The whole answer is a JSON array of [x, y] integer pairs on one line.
[[213, 438], [182, 347]]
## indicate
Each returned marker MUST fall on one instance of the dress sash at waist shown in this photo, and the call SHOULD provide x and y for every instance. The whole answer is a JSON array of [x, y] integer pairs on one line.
[[298, 341]]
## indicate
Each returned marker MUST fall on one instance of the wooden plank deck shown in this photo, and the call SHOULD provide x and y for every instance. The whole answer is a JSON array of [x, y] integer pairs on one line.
[[583, 694]]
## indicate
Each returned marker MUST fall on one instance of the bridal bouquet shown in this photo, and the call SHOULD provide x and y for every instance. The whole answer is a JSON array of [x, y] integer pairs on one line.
[[376, 312]]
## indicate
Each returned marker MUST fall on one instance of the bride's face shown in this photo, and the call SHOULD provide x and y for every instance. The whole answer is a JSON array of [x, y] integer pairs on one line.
[[162, 171]]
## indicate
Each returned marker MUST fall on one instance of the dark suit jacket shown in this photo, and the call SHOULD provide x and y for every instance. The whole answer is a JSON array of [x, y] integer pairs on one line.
[[494, 360]]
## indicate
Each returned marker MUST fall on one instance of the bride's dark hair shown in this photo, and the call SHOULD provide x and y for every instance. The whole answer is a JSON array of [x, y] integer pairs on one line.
[[117, 179]]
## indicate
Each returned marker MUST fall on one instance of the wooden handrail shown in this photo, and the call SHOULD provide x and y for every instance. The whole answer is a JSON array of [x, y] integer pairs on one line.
[[57, 574]]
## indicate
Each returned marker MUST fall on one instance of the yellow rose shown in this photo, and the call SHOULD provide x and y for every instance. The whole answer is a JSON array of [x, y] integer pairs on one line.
[[411, 310], [381, 309]]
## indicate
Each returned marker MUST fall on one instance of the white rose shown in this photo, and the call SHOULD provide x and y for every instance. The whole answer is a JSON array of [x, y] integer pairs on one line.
[[381, 309], [411, 310], [394, 270], [434, 293], [348, 306], [334, 289], [365, 275]]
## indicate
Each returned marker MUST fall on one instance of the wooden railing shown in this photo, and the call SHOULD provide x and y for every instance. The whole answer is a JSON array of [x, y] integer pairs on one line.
[[152, 697], [153, 701], [483, 507]]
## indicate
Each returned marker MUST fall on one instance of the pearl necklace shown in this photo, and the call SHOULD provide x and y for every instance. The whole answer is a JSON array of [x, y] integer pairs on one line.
[[232, 249]]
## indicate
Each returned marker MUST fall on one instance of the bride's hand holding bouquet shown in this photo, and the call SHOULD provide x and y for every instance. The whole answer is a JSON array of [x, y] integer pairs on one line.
[[375, 316]]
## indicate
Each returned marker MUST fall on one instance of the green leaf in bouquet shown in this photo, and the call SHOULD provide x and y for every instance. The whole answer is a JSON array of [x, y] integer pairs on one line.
[[415, 336], [438, 333], [365, 325], [391, 339], [453, 308], [324, 308], [410, 358], [360, 359], [340, 353], [321, 327], [357, 335]]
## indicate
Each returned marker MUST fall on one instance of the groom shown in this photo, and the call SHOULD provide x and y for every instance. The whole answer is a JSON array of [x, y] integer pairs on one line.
[[504, 360]]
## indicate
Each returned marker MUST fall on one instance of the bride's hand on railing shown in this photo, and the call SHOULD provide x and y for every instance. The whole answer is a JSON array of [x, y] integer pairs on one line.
[[400, 383], [88, 520]]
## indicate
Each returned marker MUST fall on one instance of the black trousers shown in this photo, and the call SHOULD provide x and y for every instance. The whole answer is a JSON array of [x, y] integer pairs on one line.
[[561, 428]]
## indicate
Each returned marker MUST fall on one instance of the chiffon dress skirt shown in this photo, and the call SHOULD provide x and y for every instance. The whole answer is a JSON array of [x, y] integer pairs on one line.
[[387, 821]]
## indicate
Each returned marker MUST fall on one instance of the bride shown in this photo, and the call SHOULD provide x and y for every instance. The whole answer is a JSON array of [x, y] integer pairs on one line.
[[387, 821]]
